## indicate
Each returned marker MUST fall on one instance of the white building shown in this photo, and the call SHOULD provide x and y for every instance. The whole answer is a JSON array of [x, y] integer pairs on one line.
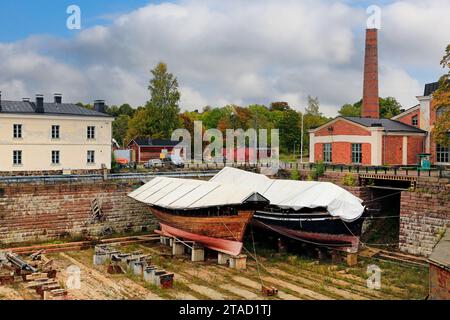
[[43, 137]]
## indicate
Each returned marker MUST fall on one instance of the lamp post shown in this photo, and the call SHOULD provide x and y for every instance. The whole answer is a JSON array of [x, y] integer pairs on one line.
[[301, 142]]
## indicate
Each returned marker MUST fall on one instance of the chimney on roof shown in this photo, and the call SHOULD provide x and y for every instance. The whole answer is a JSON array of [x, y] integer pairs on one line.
[[39, 103], [99, 106], [370, 106], [58, 98]]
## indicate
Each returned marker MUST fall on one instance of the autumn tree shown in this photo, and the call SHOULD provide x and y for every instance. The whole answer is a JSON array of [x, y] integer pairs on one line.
[[441, 99], [138, 125]]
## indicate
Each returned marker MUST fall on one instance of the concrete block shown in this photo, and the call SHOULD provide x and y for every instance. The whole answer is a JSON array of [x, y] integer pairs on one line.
[[157, 277], [177, 249], [138, 268], [238, 262], [148, 273], [100, 259], [223, 258], [197, 254]]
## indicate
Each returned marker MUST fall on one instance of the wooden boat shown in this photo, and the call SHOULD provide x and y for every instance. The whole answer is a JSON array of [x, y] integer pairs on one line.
[[222, 232], [211, 214]]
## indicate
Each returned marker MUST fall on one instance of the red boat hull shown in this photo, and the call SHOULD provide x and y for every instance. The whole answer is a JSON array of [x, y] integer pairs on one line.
[[219, 233]]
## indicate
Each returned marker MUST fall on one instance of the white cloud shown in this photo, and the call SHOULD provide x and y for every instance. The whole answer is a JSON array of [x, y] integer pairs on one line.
[[237, 52]]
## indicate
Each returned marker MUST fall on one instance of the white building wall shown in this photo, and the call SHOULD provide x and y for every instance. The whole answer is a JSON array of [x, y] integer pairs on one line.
[[37, 143]]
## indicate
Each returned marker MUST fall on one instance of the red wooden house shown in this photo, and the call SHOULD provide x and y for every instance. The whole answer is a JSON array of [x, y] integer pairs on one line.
[[145, 148]]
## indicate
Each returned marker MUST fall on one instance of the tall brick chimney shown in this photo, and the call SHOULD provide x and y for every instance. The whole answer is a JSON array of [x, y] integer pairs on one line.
[[370, 106]]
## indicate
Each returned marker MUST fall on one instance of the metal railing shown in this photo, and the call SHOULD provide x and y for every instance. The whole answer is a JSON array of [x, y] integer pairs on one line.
[[112, 176]]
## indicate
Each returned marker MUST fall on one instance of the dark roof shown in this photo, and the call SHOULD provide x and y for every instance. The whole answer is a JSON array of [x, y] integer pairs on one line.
[[28, 107], [149, 142], [430, 88], [388, 124], [441, 252]]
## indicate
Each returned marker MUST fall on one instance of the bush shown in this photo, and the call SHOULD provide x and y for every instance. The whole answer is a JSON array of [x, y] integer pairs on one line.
[[295, 175], [320, 169], [349, 180]]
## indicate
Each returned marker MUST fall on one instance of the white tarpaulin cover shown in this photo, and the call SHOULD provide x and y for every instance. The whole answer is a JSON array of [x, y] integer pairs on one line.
[[296, 194], [174, 193]]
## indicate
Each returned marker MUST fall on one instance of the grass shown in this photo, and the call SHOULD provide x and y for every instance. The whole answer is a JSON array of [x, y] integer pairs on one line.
[[402, 280]]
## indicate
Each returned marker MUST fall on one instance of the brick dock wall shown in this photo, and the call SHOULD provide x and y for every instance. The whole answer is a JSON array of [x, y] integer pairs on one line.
[[35, 212], [424, 215], [424, 212]]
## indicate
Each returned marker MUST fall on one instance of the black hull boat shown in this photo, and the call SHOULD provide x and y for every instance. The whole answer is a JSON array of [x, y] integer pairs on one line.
[[317, 212], [315, 227]]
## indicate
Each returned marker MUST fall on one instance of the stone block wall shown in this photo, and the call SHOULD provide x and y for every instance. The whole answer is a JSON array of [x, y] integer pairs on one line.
[[35, 212], [424, 215]]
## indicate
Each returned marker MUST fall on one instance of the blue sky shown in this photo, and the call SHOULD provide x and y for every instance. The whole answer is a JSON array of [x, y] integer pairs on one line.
[[222, 52], [21, 18]]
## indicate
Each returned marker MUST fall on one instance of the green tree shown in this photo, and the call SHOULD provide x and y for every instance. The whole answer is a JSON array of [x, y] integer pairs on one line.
[[113, 111], [163, 106], [350, 110], [126, 109], [441, 98], [290, 131], [138, 125], [279, 106], [389, 107], [120, 128]]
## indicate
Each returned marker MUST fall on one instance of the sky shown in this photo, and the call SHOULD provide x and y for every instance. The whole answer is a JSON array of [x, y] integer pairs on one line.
[[222, 52]]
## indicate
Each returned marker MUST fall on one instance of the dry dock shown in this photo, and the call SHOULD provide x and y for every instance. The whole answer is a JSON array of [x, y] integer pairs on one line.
[[295, 277]]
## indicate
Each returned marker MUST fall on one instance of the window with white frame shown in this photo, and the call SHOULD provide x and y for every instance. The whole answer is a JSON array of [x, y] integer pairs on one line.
[[17, 131], [327, 151], [91, 156], [414, 121], [356, 153], [55, 157], [55, 132], [91, 132], [17, 157], [442, 154]]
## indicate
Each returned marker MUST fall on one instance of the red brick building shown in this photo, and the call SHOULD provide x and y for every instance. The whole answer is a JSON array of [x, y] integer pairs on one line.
[[368, 140], [424, 116]]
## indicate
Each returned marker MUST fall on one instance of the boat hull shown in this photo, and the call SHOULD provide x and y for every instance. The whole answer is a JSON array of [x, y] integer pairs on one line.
[[321, 229], [220, 233]]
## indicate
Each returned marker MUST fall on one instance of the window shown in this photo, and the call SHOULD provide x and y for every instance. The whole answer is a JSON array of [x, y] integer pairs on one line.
[[91, 132], [55, 132], [414, 121], [356, 153], [440, 111], [17, 157], [327, 152], [17, 131], [55, 157], [91, 156], [442, 154]]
